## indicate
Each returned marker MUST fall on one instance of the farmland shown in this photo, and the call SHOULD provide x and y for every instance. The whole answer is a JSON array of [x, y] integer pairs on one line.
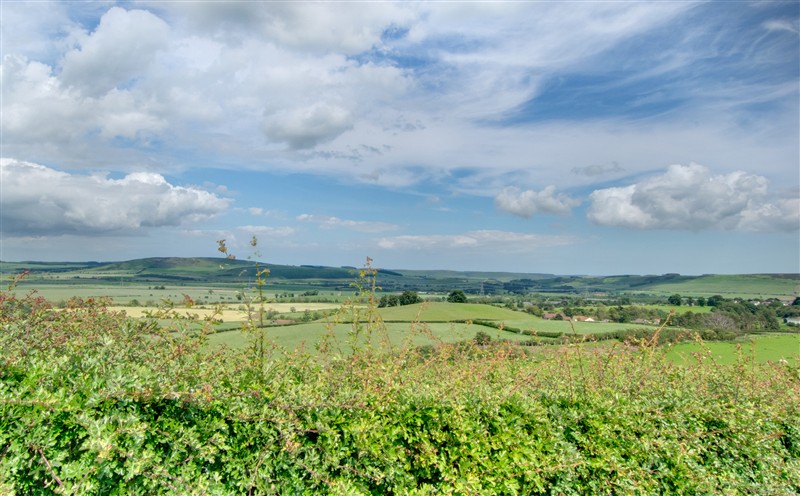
[[334, 395]]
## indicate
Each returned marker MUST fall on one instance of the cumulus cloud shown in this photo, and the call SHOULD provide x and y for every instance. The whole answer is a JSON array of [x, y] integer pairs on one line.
[[530, 202], [327, 222], [690, 197], [38, 200], [121, 48], [504, 241]]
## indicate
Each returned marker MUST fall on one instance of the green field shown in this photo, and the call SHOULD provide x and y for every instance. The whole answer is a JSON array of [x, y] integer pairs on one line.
[[307, 336], [771, 347], [447, 312], [733, 286], [426, 323]]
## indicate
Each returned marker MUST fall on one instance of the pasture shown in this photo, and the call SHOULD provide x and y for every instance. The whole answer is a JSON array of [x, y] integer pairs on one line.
[[418, 325], [764, 348], [733, 286], [231, 313]]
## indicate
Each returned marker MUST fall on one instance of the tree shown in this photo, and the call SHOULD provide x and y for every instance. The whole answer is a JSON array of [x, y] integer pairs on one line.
[[675, 300], [409, 298], [389, 301], [457, 296]]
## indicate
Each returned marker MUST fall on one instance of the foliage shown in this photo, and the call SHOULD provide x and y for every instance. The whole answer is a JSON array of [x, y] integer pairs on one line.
[[94, 403], [407, 298], [457, 296]]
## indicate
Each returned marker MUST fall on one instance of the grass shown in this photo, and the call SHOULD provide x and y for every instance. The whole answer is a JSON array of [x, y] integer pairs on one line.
[[733, 286], [422, 324], [447, 312], [307, 336], [232, 313], [765, 348]]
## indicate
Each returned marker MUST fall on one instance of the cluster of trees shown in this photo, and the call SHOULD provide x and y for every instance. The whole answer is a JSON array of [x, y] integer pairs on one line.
[[411, 297], [457, 296], [407, 298], [700, 301], [733, 315]]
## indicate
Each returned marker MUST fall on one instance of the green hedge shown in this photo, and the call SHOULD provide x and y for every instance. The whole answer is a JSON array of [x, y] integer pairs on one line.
[[92, 403]]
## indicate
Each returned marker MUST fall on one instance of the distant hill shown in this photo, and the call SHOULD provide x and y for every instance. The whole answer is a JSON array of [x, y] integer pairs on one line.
[[208, 270]]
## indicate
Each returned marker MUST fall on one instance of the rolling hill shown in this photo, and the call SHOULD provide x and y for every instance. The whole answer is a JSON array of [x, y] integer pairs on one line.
[[213, 271]]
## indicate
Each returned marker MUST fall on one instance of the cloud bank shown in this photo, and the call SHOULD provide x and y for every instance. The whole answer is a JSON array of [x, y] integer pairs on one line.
[[690, 197], [38, 200]]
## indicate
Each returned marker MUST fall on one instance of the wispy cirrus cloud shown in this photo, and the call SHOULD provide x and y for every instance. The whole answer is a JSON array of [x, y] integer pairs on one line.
[[504, 241], [269, 231], [328, 222]]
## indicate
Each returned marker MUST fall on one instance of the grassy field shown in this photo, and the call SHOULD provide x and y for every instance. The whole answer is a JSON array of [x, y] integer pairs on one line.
[[682, 308], [731, 286], [307, 336], [447, 312], [122, 294], [770, 347], [231, 313]]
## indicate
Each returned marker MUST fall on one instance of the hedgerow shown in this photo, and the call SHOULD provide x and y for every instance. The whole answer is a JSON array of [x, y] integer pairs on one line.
[[92, 402]]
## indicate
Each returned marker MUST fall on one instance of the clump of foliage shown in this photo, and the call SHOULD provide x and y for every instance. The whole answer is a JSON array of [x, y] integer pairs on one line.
[[457, 296], [92, 402], [407, 298]]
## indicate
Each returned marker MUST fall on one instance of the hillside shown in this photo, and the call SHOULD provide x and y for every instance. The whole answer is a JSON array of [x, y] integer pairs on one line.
[[221, 271]]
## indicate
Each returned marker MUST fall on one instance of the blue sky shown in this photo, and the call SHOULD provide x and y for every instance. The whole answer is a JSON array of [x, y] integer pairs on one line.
[[557, 137]]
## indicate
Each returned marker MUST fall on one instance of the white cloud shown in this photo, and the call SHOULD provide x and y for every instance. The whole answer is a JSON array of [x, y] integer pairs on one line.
[[529, 202], [327, 222], [323, 28], [269, 231], [38, 200], [120, 49], [691, 198], [307, 87], [598, 170], [308, 126], [502, 241]]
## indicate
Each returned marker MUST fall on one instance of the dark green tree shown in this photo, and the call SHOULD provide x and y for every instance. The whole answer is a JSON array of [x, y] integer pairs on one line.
[[409, 298], [675, 300], [389, 301], [457, 296]]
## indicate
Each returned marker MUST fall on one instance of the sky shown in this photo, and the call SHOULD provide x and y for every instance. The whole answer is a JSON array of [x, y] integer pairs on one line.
[[592, 138]]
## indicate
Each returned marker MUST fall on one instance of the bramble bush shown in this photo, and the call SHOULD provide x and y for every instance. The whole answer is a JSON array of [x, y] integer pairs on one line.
[[92, 402]]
